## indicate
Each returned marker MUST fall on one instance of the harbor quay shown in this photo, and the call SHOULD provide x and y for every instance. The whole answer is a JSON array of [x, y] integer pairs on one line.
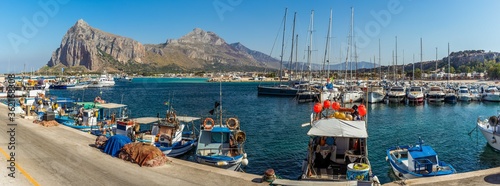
[[64, 156]]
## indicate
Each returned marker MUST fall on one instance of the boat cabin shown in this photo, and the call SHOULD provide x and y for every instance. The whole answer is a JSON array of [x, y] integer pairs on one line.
[[422, 159]]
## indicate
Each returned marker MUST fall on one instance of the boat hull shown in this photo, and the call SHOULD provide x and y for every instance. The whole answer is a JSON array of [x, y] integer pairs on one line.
[[178, 148], [277, 91], [487, 132], [223, 162], [375, 97]]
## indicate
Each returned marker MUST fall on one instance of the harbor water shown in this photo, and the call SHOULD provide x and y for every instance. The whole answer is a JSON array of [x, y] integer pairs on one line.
[[275, 138]]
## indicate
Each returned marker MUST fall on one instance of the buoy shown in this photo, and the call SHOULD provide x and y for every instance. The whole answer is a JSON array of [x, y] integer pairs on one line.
[[336, 106], [318, 107], [341, 116], [362, 110], [348, 117], [327, 104]]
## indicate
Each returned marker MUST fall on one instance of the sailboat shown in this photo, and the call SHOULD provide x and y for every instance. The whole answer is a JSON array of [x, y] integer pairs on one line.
[[309, 94], [450, 95], [352, 94], [281, 89]]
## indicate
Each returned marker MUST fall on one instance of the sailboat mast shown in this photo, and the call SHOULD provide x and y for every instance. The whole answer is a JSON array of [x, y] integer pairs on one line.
[[396, 67], [310, 45], [403, 69], [351, 40], [393, 69], [436, 61], [379, 60], [421, 60], [449, 67], [291, 53], [327, 48], [283, 45], [413, 77]]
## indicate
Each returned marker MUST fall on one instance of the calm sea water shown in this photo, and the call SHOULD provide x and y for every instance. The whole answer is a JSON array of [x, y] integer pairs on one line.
[[276, 140]]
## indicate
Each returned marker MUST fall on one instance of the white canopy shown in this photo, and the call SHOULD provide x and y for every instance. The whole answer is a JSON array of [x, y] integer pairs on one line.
[[338, 128], [111, 105]]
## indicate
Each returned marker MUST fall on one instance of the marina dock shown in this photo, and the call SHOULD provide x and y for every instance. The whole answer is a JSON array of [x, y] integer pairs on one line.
[[64, 156]]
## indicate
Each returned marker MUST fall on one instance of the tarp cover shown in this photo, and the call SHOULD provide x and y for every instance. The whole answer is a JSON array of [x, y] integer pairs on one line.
[[338, 128], [115, 143]]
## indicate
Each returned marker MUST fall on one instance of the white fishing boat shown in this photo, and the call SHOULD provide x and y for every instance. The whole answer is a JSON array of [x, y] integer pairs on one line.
[[396, 94], [417, 161], [489, 128], [337, 148]]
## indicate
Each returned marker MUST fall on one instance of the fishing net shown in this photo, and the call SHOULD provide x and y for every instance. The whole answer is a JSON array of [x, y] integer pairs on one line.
[[143, 154]]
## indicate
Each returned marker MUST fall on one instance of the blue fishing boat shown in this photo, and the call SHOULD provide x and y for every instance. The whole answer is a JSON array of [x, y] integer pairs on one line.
[[174, 136], [417, 161], [221, 144]]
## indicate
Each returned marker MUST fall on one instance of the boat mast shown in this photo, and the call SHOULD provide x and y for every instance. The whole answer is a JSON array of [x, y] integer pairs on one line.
[[327, 48], [310, 46], [282, 45], [379, 63], [403, 69], [396, 56], [421, 61], [393, 69], [413, 77], [449, 67], [291, 53], [436, 61], [351, 40]]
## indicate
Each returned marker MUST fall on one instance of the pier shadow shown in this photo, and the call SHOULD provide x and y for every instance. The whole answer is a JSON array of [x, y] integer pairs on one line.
[[492, 179]]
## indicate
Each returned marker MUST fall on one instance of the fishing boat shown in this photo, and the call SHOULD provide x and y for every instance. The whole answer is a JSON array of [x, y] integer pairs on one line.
[[436, 94], [220, 144], [415, 94], [337, 148], [396, 94], [417, 161], [354, 94], [376, 94]]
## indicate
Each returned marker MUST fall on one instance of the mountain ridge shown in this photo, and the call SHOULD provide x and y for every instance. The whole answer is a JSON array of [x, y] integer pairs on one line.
[[97, 50]]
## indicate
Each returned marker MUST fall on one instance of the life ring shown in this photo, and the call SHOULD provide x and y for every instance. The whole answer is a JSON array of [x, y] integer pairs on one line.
[[360, 166], [240, 137], [232, 123], [343, 109], [208, 126]]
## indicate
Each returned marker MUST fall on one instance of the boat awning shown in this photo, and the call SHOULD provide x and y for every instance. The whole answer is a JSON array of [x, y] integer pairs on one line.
[[111, 105], [417, 152], [338, 128], [145, 120], [187, 118], [221, 129]]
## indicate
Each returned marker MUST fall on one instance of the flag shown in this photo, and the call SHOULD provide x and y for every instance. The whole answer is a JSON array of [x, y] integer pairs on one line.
[[215, 106], [166, 103]]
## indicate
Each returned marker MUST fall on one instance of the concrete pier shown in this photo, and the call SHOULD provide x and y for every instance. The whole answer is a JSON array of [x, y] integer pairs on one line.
[[64, 156]]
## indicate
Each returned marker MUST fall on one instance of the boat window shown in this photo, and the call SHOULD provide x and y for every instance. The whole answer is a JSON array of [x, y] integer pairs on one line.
[[463, 91], [218, 137], [435, 89]]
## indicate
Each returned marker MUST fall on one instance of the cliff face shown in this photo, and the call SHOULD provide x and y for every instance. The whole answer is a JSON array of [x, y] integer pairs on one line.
[[87, 46], [97, 50]]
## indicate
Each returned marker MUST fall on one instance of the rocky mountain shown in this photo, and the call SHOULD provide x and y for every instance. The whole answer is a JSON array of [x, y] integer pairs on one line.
[[97, 50], [86, 46]]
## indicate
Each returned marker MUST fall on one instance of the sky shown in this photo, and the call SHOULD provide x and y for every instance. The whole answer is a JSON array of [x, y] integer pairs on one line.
[[32, 30]]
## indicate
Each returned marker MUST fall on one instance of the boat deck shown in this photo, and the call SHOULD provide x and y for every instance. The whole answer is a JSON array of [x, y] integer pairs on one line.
[[333, 172]]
